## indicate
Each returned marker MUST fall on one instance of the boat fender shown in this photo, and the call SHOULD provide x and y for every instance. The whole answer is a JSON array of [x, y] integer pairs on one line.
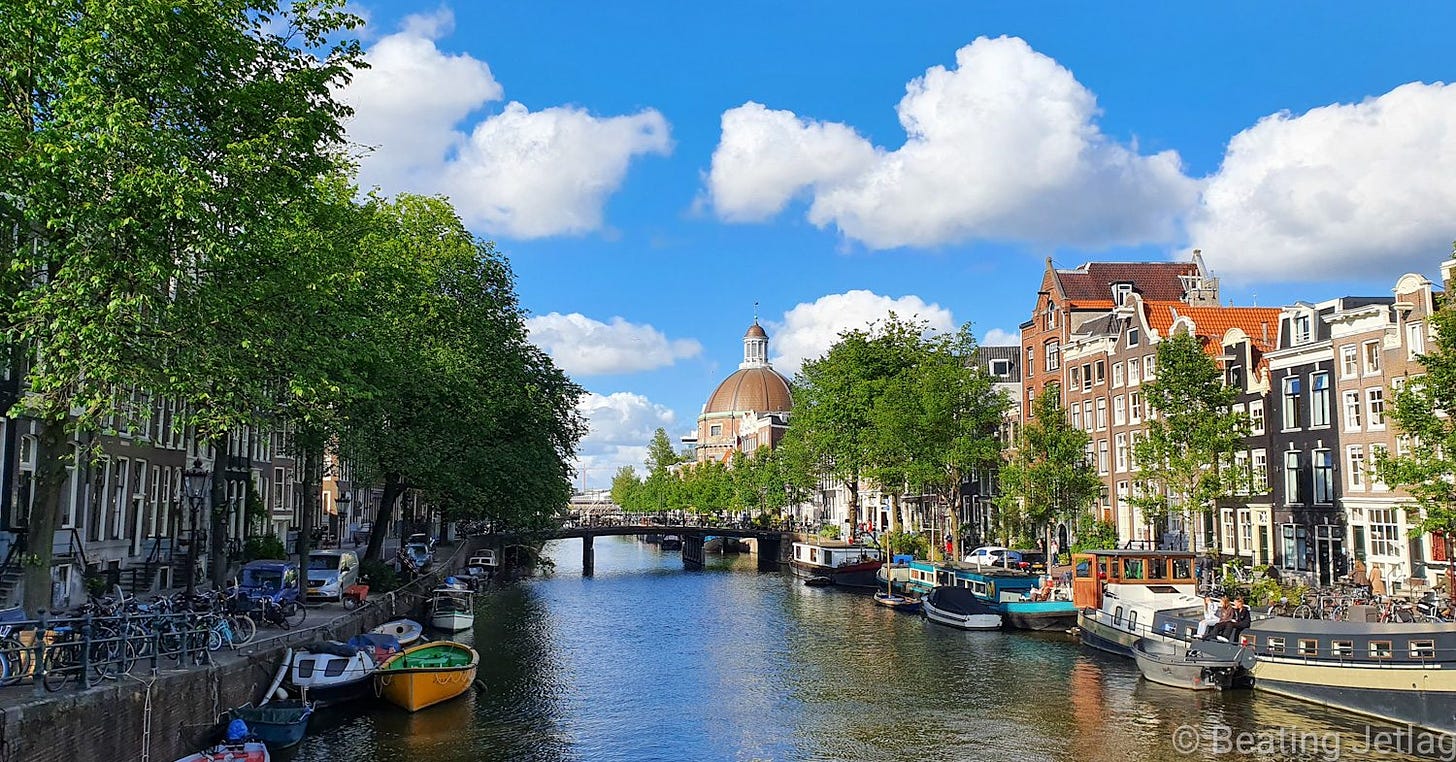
[[280, 694]]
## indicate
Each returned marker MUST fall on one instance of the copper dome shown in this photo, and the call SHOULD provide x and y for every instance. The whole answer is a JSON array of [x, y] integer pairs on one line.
[[756, 331], [758, 389]]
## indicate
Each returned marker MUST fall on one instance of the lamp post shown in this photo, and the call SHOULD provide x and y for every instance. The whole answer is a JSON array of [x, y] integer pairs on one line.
[[195, 482], [344, 503]]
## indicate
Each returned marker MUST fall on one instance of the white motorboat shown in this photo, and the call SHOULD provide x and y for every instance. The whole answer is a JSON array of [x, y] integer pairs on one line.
[[1119, 593], [330, 672], [406, 631], [482, 564], [959, 607], [452, 609]]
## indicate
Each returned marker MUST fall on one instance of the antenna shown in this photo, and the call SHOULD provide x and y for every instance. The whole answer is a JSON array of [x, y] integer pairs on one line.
[[755, 313]]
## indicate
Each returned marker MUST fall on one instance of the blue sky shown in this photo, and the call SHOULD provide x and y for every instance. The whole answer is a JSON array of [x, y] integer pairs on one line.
[[653, 169]]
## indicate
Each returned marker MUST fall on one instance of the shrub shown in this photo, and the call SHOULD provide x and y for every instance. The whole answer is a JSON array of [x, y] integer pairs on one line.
[[265, 546], [910, 543], [379, 576], [1093, 534], [829, 531]]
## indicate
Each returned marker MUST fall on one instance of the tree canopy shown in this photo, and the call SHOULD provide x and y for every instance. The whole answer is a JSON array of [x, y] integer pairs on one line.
[[1047, 477]]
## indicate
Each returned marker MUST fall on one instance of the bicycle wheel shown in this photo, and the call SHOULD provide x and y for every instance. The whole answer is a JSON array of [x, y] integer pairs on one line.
[[61, 661], [244, 629], [294, 613], [1303, 611], [1338, 614], [214, 639]]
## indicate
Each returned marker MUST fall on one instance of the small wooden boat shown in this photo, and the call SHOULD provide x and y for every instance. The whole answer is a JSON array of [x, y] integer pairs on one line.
[[428, 674], [451, 609], [249, 751], [1198, 666], [897, 602], [406, 631], [278, 724], [820, 581], [958, 607]]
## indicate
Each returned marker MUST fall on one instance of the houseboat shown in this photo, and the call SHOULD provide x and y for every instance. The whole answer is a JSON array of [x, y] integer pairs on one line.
[[1009, 592], [844, 564], [1118, 594], [957, 607]]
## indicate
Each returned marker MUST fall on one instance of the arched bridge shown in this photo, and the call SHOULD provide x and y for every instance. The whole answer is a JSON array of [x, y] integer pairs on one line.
[[771, 542]]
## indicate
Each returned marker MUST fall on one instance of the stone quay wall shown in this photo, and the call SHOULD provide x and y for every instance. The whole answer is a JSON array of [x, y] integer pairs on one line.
[[173, 714]]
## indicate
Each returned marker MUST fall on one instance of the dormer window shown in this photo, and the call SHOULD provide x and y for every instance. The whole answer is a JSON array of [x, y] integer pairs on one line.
[[1302, 333], [1132, 337], [1001, 368], [1120, 293]]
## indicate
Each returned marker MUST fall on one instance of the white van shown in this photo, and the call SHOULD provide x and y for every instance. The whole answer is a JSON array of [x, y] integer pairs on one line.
[[331, 572]]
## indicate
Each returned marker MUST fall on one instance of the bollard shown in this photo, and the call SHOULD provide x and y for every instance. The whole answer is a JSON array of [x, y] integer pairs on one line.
[[38, 673], [85, 681]]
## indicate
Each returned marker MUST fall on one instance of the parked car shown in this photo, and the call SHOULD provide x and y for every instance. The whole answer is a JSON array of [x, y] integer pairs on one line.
[[419, 555], [270, 579], [993, 555], [330, 572], [360, 533], [420, 538]]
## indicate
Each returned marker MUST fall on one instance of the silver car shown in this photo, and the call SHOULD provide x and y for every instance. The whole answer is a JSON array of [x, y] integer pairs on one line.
[[331, 572]]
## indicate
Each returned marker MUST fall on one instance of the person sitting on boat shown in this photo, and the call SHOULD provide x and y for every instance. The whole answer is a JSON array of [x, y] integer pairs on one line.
[[1212, 615], [1228, 630], [1045, 593]]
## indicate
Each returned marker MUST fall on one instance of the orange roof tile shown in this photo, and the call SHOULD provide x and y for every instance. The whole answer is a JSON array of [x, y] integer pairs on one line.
[[1261, 324]]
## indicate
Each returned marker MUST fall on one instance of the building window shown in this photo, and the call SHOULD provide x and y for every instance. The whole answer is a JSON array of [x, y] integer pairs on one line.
[[1324, 476], [1378, 450], [1121, 452], [1086, 377], [1349, 361], [1051, 315], [1076, 377], [1256, 416], [1053, 356], [1030, 361], [1120, 293], [716, 430], [1372, 358], [1135, 407], [1132, 337], [1319, 399], [1302, 333], [1119, 410], [1296, 544], [1292, 494], [1087, 419], [1001, 368], [1133, 374], [1376, 398], [1101, 413], [1260, 471], [1246, 529], [1291, 403], [1149, 364], [1117, 374], [1352, 410], [1132, 440], [1101, 369], [1384, 532], [1076, 416], [1102, 456], [1355, 464], [1415, 340]]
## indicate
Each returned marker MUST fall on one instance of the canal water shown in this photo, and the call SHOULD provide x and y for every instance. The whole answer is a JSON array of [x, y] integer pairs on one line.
[[647, 661]]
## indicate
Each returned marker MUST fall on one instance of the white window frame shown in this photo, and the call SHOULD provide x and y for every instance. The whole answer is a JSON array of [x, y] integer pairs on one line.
[[1349, 361], [1119, 411], [1375, 407], [1370, 357], [1256, 416], [1117, 374], [1319, 410], [1355, 467], [1134, 377], [1120, 452], [1101, 413], [1259, 468], [1350, 402], [1415, 339]]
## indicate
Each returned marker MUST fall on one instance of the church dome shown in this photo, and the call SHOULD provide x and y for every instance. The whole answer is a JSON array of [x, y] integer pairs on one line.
[[759, 389], [756, 331]]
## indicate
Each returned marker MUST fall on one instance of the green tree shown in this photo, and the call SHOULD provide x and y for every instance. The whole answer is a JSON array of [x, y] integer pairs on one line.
[[1195, 431], [1425, 464], [141, 144], [626, 489], [1046, 477]]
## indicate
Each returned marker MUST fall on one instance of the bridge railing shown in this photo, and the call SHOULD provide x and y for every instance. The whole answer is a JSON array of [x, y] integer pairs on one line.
[[670, 520]]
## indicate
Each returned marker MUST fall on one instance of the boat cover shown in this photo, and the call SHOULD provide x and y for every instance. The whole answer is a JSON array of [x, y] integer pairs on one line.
[[330, 647], [375, 640], [958, 600]]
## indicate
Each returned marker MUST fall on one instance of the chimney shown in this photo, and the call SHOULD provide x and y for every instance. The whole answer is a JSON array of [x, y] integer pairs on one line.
[[1266, 332]]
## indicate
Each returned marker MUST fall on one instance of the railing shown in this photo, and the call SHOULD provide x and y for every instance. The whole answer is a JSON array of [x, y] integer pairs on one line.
[[52, 652], [78, 547], [669, 521]]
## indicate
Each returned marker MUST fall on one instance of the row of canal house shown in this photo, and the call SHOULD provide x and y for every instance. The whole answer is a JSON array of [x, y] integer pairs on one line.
[[125, 515], [1314, 378]]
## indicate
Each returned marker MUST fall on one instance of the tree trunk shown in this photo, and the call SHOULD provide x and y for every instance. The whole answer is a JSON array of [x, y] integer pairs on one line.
[[310, 481], [896, 523], [853, 511], [52, 448], [217, 514], [393, 487]]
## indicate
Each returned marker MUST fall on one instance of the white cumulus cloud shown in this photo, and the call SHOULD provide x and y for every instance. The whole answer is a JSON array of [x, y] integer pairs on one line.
[[999, 338], [1362, 189], [809, 329], [585, 347], [620, 426], [517, 173], [1002, 146]]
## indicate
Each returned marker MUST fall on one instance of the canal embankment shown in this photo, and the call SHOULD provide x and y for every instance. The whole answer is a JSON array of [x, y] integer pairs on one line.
[[164, 716]]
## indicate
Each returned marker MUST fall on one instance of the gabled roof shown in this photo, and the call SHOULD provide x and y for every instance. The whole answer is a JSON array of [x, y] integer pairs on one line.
[[1156, 281], [1260, 324]]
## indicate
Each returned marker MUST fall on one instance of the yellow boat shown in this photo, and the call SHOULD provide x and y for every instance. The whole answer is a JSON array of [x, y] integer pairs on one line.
[[427, 674]]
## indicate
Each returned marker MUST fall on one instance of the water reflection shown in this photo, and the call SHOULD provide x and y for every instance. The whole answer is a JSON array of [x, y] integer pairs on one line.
[[646, 661]]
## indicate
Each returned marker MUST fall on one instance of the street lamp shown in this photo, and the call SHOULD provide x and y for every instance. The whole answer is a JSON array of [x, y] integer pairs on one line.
[[195, 482], [344, 502]]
